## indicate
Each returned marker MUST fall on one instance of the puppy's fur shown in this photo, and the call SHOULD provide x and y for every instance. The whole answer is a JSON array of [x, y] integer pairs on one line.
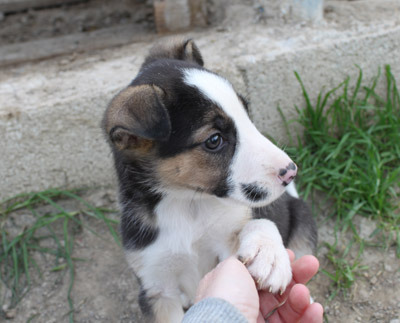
[[198, 183]]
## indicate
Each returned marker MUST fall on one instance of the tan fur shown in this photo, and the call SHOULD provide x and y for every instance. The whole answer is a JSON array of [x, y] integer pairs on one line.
[[189, 51], [234, 240], [139, 97], [131, 109], [195, 168], [175, 47], [190, 169]]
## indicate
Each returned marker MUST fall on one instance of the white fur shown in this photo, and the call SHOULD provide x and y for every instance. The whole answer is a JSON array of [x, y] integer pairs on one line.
[[262, 249], [194, 235], [291, 189], [257, 160]]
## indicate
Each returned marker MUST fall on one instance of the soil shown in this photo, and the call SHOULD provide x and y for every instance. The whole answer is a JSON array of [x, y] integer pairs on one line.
[[105, 289]]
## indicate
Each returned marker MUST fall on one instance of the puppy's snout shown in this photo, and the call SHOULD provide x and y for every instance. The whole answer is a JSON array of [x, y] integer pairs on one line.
[[286, 175]]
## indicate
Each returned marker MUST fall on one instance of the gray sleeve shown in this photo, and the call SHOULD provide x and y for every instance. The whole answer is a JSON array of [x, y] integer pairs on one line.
[[213, 310]]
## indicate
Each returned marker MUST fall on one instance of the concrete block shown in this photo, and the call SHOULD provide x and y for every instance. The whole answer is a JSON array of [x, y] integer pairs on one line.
[[50, 112], [271, 81], [20, 5]]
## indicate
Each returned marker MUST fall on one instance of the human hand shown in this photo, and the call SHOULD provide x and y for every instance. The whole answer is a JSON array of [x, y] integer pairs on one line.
[[296, 299], [231, 281]]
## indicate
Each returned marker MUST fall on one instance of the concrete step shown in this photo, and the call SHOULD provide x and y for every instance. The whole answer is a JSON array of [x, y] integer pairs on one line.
[[50, 111], [7, 6]]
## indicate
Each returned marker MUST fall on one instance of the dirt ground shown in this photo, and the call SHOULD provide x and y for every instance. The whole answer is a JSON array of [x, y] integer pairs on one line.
[[105, 289]]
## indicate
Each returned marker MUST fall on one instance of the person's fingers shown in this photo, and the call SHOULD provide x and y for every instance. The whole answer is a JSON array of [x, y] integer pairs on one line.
[[296, 304], [260, 318], [291, 255], [231, 281], [313, 314], [304, 269], [298, 308], [269, 301]]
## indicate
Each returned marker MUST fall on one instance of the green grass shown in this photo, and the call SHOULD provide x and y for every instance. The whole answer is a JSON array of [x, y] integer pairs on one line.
[[57, 225], [346, 269], [349, 150]]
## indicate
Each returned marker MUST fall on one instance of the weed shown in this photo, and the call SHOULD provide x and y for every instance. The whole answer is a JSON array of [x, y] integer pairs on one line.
[[16, 261], [350, 150], [345, 271]]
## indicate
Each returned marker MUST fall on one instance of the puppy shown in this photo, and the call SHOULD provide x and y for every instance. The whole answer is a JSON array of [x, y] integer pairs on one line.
[[198, 183]]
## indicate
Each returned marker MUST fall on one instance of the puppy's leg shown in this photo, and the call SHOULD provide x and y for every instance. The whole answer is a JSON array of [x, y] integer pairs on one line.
[[168, 283], [160, 304], [262, 250], [304, 235], [168, 310], [294, 220]]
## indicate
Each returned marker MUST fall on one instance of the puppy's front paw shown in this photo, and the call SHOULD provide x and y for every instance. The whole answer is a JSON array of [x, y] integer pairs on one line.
[[261, 249]]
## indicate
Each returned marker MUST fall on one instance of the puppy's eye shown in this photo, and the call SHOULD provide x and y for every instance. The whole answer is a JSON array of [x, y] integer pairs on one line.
[[214, 143]]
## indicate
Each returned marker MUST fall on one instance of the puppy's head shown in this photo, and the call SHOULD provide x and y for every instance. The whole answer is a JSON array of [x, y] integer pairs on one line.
[[192, 130]]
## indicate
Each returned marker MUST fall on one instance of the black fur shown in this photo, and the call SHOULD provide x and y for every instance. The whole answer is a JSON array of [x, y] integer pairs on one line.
[[144, 303], [187, 110], [253, 192], [291, 216], [138, 203]]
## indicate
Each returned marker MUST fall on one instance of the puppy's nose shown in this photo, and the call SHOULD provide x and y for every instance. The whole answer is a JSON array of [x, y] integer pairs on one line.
[[287, 174]]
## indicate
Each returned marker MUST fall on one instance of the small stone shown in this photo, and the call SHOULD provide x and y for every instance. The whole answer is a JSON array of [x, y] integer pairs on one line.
[[373, 280], [10, 314], [388, 268]]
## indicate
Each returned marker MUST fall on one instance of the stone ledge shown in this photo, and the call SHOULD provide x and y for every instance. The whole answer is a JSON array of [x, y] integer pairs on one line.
[[50, 112]]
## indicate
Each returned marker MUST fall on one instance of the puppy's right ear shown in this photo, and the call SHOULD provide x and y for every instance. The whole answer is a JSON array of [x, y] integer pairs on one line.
[[175, 48], [136, 117]]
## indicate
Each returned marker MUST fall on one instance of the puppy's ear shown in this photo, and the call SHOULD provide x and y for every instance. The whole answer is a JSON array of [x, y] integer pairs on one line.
[[176, 48], [136, 117]]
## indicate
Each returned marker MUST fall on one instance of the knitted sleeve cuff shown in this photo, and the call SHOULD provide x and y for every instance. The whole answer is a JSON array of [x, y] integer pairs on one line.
[[213, 310]]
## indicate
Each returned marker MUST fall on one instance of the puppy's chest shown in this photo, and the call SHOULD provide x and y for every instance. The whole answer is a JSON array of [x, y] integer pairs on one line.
[[196, 225]]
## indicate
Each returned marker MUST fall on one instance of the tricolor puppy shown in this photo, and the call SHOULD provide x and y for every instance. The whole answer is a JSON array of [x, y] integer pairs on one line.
[[198, 183]]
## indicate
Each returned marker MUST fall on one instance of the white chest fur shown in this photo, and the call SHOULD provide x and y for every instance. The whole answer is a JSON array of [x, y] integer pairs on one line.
[[200, 220], [195, 231]]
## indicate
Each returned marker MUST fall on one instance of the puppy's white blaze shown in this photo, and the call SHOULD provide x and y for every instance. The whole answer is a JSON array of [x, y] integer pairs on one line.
[[218, 90], [256, 159]]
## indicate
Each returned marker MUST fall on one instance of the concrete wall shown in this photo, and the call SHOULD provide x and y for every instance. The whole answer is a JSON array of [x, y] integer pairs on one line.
[[50, 112]]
